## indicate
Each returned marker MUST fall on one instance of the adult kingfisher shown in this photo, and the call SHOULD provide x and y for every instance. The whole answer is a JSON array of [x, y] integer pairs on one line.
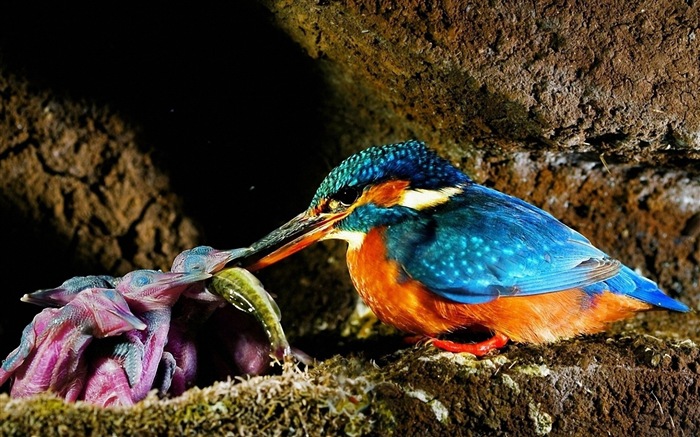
[[432, 252]]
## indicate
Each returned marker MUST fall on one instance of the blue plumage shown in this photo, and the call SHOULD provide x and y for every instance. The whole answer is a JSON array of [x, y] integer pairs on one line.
[[431, 252], [629, 283], [489, 244], [481, 244], [410, 161]]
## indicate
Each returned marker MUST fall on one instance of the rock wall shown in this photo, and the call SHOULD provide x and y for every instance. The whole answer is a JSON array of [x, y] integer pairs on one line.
[[127, 137]]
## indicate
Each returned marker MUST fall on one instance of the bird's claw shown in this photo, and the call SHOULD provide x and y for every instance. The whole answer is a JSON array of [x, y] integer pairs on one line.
[[477, 349]]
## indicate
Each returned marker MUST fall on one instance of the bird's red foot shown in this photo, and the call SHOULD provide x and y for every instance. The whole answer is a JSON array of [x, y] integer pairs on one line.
[[479, 349]]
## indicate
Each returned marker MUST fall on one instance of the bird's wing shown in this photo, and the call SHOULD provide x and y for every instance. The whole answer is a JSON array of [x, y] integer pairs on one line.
[[485, 244], [17, 356], [32, 335]]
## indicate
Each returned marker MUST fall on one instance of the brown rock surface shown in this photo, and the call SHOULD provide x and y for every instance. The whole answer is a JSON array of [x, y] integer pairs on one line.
[[618, 78], [127, 134]]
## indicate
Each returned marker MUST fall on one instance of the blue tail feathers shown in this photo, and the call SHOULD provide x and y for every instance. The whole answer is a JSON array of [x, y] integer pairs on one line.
[[629, 283]]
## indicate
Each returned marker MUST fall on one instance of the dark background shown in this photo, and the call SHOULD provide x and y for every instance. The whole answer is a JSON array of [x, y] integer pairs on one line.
[[228, 102], [227, 105]]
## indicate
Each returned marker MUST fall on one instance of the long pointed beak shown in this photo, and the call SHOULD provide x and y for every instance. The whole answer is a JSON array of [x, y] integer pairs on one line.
[[178, 279], [224, 257], [50, 297], [293, 236], [167, 284], [129, 318]]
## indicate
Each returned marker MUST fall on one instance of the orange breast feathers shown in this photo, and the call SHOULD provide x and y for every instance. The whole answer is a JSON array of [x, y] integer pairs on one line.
[[406, 304]]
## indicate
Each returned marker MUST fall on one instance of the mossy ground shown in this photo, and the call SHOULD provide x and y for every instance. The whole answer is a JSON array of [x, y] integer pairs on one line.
[[113, 158], [573, 387]]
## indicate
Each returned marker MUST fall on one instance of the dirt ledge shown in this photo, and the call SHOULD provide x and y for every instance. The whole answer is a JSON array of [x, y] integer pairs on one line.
[[622, 385]]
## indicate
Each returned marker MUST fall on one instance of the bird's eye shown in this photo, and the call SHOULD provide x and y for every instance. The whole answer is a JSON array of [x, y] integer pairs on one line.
[[346, 196], [142, 281]]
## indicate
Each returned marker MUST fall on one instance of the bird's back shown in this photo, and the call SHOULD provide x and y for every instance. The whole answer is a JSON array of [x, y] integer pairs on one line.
[[489, 259]]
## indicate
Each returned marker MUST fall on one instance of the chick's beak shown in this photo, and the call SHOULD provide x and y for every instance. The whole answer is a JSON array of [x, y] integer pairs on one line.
[[181, 279], [293, 236], [169, 282]]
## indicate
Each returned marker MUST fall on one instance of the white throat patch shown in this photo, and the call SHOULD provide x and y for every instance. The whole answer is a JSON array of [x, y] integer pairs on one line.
[[354, 238]]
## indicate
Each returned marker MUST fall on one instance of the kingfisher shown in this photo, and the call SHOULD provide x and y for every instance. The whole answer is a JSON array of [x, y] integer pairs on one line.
[[431, 253]]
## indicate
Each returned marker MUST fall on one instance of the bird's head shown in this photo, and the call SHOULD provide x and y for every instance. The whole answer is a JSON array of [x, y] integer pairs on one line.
[[106, 312], [147, 290], [378, 186], [205, 259]]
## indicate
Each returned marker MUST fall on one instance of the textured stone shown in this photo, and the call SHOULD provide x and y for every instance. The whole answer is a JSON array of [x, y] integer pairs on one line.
[[130, 143]]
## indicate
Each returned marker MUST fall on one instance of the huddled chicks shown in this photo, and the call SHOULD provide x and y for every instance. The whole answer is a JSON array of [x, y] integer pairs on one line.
[[111, 340]]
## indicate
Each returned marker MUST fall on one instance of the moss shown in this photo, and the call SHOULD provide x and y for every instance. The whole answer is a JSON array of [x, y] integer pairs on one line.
[[558, 389], [533, 370], [542, 420], [296, 402]]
